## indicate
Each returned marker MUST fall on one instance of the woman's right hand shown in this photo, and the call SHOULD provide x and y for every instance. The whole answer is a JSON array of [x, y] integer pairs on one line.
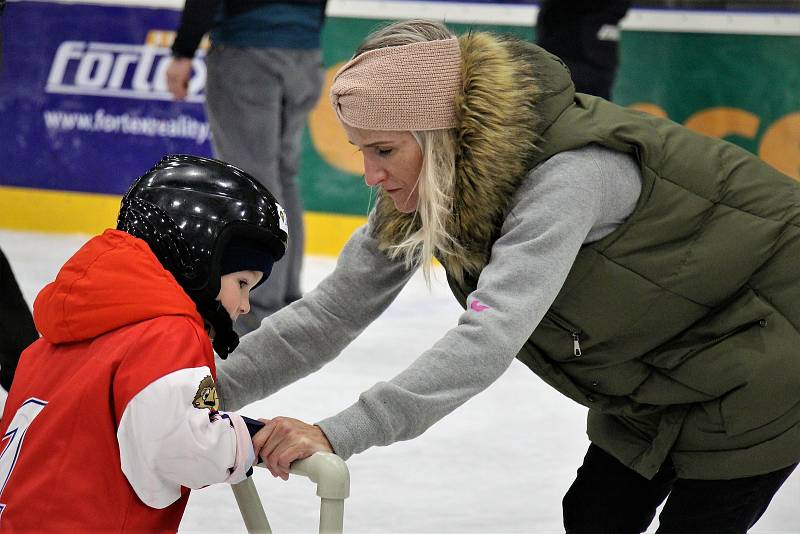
[[284, 440]]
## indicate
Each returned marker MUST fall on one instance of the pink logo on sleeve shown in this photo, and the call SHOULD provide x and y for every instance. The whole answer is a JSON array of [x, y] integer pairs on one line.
[[478, 306]]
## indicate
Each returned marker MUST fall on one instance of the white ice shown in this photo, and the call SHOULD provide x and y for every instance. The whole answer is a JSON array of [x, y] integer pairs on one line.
[[500, 463]]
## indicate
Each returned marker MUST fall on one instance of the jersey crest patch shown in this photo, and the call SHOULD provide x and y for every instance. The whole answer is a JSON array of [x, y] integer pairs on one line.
[[206, 397]]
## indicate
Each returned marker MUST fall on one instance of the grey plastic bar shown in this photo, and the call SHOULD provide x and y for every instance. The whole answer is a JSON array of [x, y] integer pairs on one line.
[[331, 516], [332, 477], [255, 520]]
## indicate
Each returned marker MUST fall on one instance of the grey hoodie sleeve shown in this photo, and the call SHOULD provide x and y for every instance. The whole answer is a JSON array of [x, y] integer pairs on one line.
[[302, 337], [565, 199]]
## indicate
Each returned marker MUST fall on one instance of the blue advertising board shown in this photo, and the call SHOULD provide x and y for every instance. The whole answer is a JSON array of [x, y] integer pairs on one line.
[[83, 98]]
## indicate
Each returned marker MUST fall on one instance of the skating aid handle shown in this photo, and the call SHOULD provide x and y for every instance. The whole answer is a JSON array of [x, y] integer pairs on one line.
[[327, 470]]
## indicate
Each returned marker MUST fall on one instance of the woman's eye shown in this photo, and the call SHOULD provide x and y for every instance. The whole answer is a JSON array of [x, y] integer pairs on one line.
[[383, 151], [242, 284]]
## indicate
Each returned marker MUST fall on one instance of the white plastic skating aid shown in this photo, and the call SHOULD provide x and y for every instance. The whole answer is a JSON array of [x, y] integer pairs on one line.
[[332, 477]]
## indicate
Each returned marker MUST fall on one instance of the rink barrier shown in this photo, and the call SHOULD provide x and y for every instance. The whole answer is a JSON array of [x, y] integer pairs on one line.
[[332, 477], [524, 13], [86, 108]]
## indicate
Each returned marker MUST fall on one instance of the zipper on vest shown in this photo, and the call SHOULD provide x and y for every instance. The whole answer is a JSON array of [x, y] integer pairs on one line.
[[576, 344], [574, 332]]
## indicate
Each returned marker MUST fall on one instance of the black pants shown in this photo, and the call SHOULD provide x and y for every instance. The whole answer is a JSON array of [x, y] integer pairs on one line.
[[17, 330], [609, 498]]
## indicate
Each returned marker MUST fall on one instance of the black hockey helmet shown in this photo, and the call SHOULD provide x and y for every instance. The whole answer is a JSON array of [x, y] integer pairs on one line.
[[188, 209]]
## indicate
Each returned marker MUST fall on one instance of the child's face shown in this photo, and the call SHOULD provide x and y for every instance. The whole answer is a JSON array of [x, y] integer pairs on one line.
[[234, 291]]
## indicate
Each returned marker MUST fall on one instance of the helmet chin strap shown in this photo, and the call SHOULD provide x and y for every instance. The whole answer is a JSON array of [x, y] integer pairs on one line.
[[225, 338]]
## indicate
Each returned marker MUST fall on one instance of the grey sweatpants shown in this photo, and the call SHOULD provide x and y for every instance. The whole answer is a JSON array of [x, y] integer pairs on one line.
[[257, 101]]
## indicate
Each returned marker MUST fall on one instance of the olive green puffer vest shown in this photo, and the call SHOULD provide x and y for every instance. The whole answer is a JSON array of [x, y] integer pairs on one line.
[[680, 330]]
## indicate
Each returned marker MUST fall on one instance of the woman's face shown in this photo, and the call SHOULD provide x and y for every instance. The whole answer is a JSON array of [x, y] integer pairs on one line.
[[393, 161]]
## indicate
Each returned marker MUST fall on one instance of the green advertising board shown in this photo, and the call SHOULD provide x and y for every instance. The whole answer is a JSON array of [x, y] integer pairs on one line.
[[743, 88]]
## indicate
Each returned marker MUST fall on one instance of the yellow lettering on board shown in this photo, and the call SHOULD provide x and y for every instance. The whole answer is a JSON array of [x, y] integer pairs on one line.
[[780, 146], [327, 134], [722, 122], [652, 109], [160, 38]]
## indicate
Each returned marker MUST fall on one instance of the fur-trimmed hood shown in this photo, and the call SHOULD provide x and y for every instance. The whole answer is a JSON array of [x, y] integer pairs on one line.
[[512, 91]]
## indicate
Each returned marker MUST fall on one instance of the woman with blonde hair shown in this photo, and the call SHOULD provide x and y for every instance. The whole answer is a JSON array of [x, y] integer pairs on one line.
[[641, 269]]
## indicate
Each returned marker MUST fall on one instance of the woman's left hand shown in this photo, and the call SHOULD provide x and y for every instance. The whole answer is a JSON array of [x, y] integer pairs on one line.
[[284, 440]]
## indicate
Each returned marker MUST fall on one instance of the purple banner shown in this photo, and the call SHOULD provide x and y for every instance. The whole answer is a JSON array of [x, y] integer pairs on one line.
[[83, 98]]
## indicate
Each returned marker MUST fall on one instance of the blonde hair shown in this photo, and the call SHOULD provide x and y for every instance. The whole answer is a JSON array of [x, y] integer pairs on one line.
[[404, 32], [437, 177]]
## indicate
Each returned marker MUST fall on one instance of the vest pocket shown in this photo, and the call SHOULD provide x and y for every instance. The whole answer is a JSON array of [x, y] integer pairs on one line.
[[572, 335], [735, 317], [674, 353]]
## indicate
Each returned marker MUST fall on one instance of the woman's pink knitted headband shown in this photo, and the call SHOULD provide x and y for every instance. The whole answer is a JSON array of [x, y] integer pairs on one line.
[[402, 88]]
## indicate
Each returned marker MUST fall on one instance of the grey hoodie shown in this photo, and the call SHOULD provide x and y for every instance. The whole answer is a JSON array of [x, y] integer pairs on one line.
[[573, 198]]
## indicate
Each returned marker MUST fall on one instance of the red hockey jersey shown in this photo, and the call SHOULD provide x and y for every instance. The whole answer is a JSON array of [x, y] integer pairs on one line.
[[111, 415]]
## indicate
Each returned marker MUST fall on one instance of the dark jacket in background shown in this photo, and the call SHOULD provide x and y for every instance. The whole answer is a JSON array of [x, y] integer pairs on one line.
[[199, 17], [584, 34], [16, 323]]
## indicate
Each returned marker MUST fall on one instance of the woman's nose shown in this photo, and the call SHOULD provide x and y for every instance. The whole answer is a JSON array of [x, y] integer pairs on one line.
[[244, 309], [373, 174]]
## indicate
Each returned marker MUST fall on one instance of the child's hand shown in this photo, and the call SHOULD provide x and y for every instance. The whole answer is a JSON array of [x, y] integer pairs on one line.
[[284, 440]]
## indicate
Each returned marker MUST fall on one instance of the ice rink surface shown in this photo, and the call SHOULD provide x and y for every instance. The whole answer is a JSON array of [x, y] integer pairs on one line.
[[500, 463]]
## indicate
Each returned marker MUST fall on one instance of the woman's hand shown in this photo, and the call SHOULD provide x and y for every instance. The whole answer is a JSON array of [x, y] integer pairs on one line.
[[284, 440]]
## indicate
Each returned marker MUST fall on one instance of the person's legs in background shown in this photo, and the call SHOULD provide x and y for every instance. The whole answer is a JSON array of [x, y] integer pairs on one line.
[[303, 78], [257, 101]]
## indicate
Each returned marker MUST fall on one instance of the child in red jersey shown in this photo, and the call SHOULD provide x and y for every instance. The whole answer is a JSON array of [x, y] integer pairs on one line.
[[113, 414]]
